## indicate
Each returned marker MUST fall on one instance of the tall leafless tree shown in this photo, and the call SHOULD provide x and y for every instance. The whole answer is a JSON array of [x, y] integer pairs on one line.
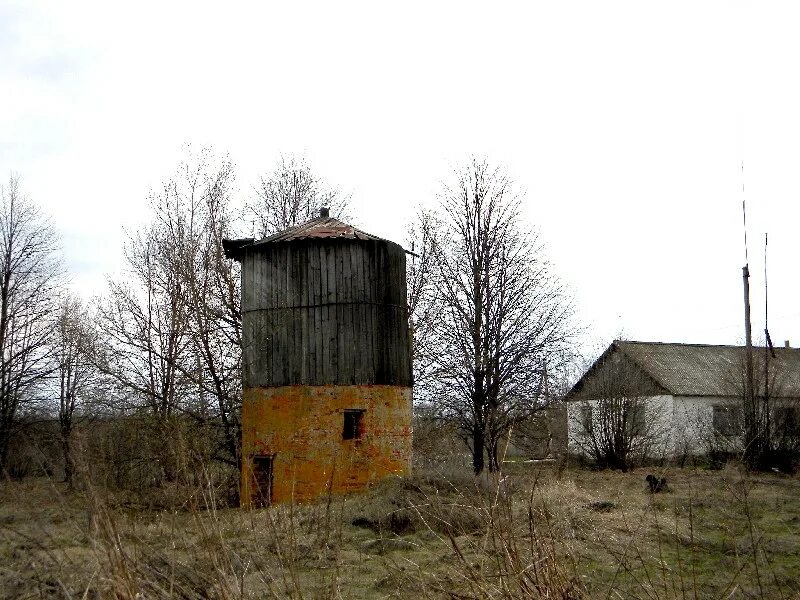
[[147, 341], [173, 326], [73, 343], [505, 319], [200, 219], [30, 280], [423, 305], [292, 194]]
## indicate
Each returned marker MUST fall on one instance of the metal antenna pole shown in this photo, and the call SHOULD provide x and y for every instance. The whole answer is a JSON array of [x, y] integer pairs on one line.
[[767, 349], [750, 416]]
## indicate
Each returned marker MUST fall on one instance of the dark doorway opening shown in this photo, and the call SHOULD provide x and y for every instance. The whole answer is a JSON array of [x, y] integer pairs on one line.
[[262, 481], [353, 424]]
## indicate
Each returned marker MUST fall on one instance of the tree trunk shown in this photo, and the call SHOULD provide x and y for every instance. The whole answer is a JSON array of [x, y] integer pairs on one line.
[[494, 462], [5, 439], [477, 450], [66, 447]]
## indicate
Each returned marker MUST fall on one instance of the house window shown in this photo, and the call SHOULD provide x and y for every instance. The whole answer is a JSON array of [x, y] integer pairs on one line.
[[727, 420], [787, 421], [635, 420], [353, 424], [586, 418]]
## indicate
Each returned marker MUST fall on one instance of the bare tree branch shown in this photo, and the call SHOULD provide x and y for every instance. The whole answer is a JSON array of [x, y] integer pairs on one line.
[[292, 194], [502, 320], [31, 277]]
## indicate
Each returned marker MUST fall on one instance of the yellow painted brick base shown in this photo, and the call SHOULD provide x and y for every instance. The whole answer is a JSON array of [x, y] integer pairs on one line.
[[301, 427]]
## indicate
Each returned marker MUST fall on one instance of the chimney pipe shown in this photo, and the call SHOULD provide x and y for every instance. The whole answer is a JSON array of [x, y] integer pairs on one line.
[[324, 212]]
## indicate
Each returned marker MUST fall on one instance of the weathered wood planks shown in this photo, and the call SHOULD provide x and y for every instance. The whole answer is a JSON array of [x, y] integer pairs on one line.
[[325, 312]]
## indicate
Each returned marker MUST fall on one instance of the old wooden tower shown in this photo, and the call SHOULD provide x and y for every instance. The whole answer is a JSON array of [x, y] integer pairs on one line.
[[326, 361]]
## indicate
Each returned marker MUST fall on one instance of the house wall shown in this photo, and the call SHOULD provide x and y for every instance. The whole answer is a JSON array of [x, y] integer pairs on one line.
[[301, 427], [693, 415], [659, 414], [683, 425]]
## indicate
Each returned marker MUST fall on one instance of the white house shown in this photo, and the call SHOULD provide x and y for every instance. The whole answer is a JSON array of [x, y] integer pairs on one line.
[[680, 399]]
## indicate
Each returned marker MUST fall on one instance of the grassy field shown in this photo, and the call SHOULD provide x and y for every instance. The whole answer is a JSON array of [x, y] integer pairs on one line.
[[538, 532]]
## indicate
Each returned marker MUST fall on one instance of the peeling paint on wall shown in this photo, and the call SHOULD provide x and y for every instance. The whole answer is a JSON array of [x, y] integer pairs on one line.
[[302, 428]]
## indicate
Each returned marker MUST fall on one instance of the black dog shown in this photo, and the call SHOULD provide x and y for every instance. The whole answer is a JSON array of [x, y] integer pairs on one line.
[[656, 484]]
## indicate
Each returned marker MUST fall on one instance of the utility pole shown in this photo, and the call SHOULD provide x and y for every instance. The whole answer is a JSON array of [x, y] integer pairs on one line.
[[752, 448], [750, 416], [768, 349]]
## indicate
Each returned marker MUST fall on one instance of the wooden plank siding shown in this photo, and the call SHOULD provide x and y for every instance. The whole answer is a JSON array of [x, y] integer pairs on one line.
[[325, 312]]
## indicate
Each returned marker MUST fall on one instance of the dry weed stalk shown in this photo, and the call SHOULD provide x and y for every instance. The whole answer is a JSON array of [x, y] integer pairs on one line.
[[657, 577], [211, 554], [497, 551]]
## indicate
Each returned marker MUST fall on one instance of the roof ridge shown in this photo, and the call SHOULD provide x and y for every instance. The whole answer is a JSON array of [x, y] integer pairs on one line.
[[697, 369], [692, 344], [320, 227], [696, 345], [645, 370], [291, 229]]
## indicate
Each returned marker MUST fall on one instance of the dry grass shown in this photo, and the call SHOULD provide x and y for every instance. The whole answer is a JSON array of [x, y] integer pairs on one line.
[[536, 533]]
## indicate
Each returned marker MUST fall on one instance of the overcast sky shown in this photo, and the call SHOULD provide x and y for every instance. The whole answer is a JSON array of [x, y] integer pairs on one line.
[[626, 123]]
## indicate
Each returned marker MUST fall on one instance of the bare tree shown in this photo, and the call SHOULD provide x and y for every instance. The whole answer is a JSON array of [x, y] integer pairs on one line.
[[505, 319], [200, 220], [616, 416], [764, 428], [173, 326], [30, 278], [292, 194], [147, 341], [423, 305], [73, 343], [772, 416]]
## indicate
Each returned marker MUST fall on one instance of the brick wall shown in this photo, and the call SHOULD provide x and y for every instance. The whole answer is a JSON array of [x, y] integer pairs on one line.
[[302, 428]]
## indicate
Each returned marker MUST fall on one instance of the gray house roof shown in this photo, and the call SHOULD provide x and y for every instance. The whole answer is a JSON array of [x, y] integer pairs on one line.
[[703, 370]]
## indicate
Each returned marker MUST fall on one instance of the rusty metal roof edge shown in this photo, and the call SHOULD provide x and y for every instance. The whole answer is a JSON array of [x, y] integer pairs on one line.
[[233, 247], [295, 233]]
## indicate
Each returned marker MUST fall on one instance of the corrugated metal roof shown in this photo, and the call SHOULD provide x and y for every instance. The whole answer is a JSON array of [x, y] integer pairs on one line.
[[705, 370], [321, 227]]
